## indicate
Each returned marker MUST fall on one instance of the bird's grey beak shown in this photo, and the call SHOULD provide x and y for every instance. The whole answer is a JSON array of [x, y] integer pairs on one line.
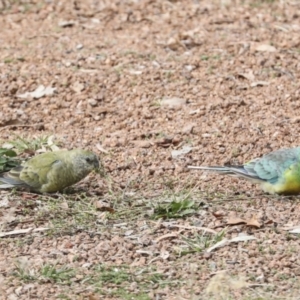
[[96, 164], [99, 169]]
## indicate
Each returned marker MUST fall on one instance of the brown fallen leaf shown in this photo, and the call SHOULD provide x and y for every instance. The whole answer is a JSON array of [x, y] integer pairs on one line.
[[142, 144], [218, 214], [265, 48], [249, 76], [259, 83], [269, 222], [101, 206], [64, 205], [253, 222], [236, 221], [164, 142]]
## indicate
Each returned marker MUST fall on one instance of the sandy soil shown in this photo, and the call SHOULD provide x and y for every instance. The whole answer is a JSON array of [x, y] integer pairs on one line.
[[134, 81]]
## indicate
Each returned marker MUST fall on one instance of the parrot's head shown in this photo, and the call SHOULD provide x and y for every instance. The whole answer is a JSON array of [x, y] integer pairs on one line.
[[85, 161]]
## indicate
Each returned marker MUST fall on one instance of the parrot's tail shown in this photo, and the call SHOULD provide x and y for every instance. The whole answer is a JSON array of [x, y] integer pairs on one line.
[[219, 170], [238, 171], [11, 179], [5, 185]]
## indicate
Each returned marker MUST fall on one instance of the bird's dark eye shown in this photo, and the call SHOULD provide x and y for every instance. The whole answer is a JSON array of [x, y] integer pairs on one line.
[[88, 160]]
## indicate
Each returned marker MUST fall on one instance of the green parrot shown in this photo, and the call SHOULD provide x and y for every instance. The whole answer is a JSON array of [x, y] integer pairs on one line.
[[277, 172], [51, 172]]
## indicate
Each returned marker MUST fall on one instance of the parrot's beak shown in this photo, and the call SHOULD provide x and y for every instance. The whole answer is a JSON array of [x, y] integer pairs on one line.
[[99, 168], [101, 171], [96, 164]]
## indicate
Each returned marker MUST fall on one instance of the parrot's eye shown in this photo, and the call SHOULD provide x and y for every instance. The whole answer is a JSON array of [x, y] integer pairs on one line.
[[88, 160]]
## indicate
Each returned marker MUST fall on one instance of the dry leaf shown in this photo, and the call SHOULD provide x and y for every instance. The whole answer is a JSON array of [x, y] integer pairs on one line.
[[166, 236], [101, 206], [253, 222], [78, 87], [172, 102], [64, 205], [66, 24], [101, 149], [259, 83], [164, 254], [218, 214], [236, 221], [181, 152], [240, 238], [142, 144], [295, 230], [249, 76], [218, 245], [164, 142], [265, 48], [40, 92]]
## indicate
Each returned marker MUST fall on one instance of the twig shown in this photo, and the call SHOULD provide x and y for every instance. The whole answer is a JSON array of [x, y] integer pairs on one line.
[[21, 125], [22, 231], [194, 227]]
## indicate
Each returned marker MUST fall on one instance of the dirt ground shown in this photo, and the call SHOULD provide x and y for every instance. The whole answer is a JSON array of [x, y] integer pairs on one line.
[[134, 81]]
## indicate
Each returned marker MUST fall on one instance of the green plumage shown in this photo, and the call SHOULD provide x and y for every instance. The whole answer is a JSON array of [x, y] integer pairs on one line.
[[52, 171]]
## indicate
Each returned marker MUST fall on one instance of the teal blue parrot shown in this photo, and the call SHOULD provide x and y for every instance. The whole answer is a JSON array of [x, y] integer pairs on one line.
[[277, 172]]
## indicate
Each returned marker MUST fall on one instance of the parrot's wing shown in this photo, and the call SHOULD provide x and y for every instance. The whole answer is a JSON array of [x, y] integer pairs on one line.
[[272, 166], [35, 171], [32, 173]]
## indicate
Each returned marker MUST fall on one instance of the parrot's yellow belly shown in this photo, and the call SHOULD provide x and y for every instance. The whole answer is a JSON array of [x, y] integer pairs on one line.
[[289, 185]]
